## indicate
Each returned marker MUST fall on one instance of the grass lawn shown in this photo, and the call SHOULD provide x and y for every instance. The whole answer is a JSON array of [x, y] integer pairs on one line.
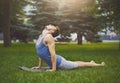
[[21, 54]]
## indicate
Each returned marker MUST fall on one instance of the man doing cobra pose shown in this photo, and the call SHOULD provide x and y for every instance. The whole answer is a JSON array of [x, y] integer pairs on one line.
[[45, 47]]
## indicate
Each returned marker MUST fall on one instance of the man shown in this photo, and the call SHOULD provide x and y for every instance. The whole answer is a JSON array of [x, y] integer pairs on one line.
[[45, 47]]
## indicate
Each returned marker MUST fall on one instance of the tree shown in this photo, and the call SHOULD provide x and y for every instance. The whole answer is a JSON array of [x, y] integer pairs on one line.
[[1, 14], [109, 14], [44, 13], [79, 17], [11, 12], [74, 16], [6, 23]]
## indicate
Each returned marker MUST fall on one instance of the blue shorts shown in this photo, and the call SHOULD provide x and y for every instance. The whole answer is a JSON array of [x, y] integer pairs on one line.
[[65, 64]]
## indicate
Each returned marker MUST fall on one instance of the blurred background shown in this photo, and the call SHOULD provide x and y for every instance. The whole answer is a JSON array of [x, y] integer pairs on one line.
[[79, 20], [90, 30]]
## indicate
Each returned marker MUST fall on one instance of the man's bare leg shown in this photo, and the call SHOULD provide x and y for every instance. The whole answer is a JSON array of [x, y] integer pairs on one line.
[[89, 64]]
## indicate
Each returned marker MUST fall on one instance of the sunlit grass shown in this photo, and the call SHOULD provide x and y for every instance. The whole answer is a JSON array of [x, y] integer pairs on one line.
[[21, 54]]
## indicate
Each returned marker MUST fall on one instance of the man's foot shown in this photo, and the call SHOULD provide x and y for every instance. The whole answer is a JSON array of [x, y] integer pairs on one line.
[[103, 63]]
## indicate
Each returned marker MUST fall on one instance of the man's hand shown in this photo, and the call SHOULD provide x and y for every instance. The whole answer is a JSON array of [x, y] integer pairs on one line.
[[37, 67]]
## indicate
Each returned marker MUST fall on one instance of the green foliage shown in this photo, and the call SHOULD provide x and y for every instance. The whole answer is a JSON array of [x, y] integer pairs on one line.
[[93, 38], [24, 34], [12, 18], [80, 16], [21, 54], [20, 33], [109, 13], [16, 10], [71, 16], [45, 13]]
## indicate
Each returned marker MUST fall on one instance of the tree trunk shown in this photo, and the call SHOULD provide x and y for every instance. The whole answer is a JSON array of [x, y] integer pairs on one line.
[[79, 37], [119, 43], [119, 39], [6, 24]]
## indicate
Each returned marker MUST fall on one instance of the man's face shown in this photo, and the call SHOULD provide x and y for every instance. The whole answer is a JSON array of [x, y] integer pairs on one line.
[[49, 29]]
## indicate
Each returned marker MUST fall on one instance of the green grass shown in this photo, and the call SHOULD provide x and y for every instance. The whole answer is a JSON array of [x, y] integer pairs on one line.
[[25, 55]]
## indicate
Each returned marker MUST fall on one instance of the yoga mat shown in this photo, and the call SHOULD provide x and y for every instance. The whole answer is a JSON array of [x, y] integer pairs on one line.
[[33, 70]]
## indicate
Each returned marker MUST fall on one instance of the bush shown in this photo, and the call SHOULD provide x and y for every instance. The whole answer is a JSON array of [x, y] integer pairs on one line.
[[94, 39]]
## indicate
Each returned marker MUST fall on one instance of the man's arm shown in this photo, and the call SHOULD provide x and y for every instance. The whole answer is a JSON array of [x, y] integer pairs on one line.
[[40, 63], [49, 40]]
